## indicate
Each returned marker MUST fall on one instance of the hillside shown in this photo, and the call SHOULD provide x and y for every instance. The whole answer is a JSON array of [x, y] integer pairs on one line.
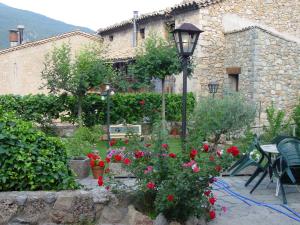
[[36, 25]]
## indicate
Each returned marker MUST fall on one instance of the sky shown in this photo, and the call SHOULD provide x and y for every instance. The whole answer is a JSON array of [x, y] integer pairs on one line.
[[93, 14]]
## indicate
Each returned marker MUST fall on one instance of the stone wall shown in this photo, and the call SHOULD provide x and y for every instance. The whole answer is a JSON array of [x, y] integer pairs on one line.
[[20, 69], [65, 207], [270, 68]]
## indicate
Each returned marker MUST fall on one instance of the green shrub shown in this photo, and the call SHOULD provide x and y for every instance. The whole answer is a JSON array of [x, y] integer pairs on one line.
[[216, 116], [296, 117], [277, 124], [29, 160], [83, 141], [132, 108]]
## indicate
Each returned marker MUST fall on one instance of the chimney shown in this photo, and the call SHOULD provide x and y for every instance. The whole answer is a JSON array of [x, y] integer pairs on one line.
[[13, 38], [134, 37], [21, 33]]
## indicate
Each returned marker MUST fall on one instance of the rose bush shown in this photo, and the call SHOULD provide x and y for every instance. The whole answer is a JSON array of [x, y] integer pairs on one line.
[[177, 185]]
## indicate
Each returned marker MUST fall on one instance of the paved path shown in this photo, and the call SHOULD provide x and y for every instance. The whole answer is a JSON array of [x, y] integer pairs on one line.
[[239, 213]]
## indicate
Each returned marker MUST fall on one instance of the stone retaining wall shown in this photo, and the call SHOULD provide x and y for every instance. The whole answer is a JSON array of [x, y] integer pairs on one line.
[[65, 207]]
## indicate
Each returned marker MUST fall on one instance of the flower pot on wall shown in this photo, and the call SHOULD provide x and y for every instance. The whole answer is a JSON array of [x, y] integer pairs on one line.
[[80, 166], [97, 171]]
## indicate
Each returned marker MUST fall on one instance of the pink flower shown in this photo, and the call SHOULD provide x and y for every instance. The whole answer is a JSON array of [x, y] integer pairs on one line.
[[224, 209], [219, 153], [149, 168], [195, 168], [189, 164], [165, 146]]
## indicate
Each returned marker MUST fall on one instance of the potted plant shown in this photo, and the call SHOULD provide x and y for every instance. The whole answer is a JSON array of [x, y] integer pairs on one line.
[[97, 165]]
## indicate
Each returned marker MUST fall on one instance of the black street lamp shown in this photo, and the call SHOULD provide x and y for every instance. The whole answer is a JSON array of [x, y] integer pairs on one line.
[[105, 91], [213, 87], [186, 37], [105, 94]]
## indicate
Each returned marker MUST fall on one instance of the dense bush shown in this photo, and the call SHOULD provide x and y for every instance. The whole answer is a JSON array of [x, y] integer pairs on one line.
[[216, 116], [296, 117], [29, 160], [132, 108]]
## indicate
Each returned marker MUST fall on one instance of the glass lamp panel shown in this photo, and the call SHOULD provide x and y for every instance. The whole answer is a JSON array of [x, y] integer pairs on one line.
[[177, 40], [185, 42]]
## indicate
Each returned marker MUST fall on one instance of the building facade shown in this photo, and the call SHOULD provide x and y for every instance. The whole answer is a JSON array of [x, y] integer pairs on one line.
[[250, 46], [21, 65]]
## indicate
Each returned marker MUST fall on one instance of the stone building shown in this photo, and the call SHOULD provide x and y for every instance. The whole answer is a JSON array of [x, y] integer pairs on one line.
[[21, 65], [250, 46]]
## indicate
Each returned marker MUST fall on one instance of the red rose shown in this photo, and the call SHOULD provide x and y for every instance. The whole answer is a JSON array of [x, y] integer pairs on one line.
[[118, 157], [107, 170], [126, 141], [206, 147], [212, 215], [211, 158], [126, 161], [142, 102], [233, 150], [212, 200], [100, 181], [207, 193], [107, 160], [150, 185], [101, 163], [170, 198], [193, 153], [90, 155], [218, 168], [165, 146], [92, 163], [138, 154], [112, 142], [172, 155]]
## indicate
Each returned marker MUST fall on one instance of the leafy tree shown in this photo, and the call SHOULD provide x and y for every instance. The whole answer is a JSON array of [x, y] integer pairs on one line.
[[75, 75], [157, 58]]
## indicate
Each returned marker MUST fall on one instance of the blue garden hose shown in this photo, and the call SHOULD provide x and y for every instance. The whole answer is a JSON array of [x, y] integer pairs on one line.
[[222, 185]]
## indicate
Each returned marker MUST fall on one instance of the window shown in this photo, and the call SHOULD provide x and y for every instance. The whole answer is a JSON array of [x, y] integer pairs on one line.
[[111, 37], [233, 82], [142, 33]]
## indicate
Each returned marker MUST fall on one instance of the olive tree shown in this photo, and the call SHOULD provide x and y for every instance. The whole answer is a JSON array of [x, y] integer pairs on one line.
[[75, 75], [213, 117]]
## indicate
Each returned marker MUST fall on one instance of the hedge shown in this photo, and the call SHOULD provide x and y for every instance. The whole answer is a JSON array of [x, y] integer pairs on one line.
[[130, 108]]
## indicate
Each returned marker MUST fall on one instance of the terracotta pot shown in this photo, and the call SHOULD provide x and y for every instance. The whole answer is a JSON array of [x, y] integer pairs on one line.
[[80, 166], [97, 171]]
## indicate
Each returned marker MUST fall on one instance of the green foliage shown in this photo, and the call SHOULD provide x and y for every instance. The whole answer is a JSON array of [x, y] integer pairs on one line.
[[296, 117], [83, 141], [216, 116], [41, 109], [276, 124], [158, 58], [29, 160], [87, 70], [128, 107]]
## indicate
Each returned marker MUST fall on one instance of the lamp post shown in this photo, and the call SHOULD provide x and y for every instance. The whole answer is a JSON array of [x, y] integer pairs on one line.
[[106, 93], [213, 87], [186, 37]]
